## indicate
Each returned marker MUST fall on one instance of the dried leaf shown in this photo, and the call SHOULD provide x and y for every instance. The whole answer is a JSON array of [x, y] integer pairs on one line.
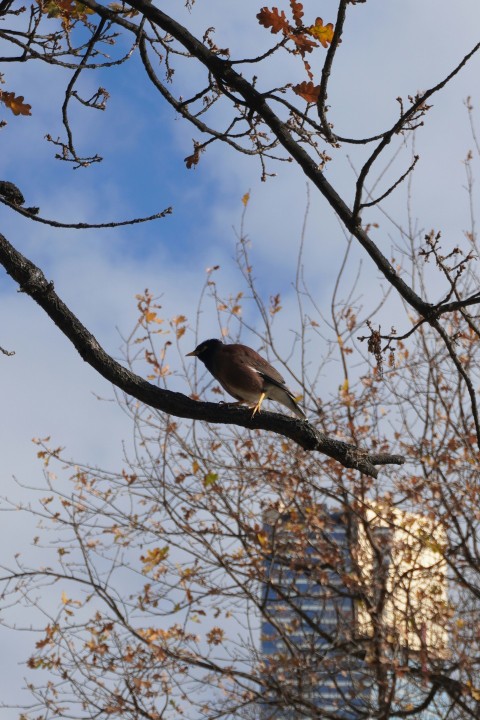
[[308, 91], [273, 19], [297, 12], [246, 198], [215, 636], [15, 103], [194, 158], [303, 43], [275, 304], [151, 316], [154, 557]]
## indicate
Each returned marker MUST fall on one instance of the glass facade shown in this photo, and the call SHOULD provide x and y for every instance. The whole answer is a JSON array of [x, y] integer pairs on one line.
[[308, 623], [315, 638]]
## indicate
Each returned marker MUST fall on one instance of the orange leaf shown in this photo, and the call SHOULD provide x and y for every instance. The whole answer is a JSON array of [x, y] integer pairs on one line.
[[273, 19], [15, 103], [194, 158], [308, 91], [323, 33], [303, 43], [297, 12]]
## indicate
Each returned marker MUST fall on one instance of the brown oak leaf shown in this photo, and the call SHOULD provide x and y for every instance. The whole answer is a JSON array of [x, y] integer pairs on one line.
[[303, 43], [273, 19], [297, 12], [307, 90], [15, 103]]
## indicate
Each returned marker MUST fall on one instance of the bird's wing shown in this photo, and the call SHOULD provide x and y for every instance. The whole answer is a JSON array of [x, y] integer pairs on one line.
[[278, 381], [256, 362]]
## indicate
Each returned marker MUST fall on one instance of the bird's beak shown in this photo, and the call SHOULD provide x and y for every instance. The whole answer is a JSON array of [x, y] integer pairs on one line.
[[194, 352]]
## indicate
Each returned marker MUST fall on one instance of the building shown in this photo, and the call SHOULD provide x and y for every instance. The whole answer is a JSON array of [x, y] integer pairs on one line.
[[342, 597], [410, 548], [308, 619]]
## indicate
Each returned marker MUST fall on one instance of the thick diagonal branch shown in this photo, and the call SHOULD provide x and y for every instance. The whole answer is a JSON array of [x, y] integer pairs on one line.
[[33, 282]]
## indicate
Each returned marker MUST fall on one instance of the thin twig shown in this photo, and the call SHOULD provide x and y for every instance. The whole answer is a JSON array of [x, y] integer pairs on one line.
[[82, 225]]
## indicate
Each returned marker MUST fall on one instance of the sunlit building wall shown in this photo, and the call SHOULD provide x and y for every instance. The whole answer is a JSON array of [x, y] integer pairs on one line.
[[317, 635]]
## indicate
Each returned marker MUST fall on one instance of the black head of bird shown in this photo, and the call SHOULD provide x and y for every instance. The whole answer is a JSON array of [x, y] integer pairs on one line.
[[245, 375]]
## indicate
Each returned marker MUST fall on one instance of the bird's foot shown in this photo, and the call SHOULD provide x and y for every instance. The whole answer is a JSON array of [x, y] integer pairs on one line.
[[258, 405]]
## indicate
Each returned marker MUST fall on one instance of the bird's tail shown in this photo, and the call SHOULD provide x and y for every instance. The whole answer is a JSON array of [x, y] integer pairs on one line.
[[286, 398]]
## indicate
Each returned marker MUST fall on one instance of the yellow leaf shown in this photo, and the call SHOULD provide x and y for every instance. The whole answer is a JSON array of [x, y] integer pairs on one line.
[[154, 557], [344, 388], [473, 690], [323, 33], [246, 198], [65, 598], [210, 479], [262, 538], [152, 316]]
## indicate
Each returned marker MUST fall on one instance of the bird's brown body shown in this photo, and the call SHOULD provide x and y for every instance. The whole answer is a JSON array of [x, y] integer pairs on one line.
[[245, 375]]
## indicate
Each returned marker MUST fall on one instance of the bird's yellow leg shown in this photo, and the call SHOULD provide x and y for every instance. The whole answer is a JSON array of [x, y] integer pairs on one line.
[[259, 404]]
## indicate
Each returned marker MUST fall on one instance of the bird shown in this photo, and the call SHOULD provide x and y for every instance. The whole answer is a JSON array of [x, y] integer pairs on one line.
[[245, 375]]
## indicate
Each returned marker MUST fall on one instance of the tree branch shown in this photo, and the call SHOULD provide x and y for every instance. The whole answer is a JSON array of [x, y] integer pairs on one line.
[[322, 95], [33, 282], [226, 76]]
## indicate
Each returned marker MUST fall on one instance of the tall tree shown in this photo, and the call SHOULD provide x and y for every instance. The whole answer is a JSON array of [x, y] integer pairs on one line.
[[158, 560]]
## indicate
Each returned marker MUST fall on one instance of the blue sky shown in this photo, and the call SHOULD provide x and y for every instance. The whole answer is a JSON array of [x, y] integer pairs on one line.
[[389, 49]]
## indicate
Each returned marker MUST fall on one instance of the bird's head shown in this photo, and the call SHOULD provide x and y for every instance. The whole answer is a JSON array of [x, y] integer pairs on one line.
[[206, 349]]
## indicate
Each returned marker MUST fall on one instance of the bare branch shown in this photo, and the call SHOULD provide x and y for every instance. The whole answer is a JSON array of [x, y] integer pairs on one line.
[[326, 70], [392, 187], [88, 226]]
